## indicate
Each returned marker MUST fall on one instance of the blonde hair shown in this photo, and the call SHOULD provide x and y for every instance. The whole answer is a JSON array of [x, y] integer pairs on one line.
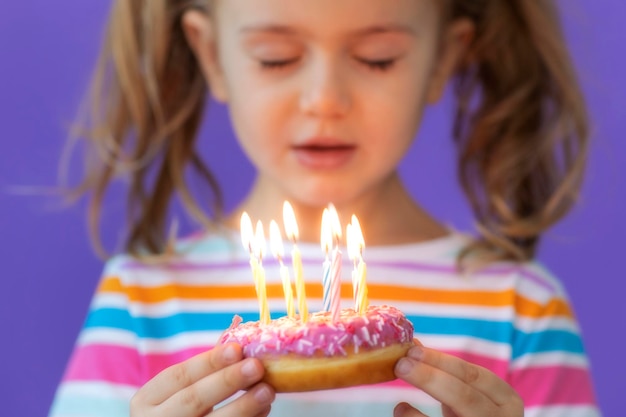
[[520, 125]]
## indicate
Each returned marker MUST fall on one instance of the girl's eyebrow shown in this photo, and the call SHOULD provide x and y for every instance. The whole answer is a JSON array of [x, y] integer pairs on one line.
[[288, 30]]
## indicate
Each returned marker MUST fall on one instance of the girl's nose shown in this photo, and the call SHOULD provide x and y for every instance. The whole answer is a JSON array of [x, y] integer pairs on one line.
[[325, 93]]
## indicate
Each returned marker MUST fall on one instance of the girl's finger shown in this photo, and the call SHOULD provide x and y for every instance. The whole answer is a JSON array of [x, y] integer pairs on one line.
[[461, 397], [255, 402], [184, 374], [476, 376], [198, 398], [405, 410]]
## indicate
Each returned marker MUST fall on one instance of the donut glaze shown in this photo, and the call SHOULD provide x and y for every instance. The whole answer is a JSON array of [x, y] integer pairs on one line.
[[379, 327], [322, 354]]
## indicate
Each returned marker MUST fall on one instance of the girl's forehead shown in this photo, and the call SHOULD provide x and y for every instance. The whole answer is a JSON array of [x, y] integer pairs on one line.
[[340, 15]]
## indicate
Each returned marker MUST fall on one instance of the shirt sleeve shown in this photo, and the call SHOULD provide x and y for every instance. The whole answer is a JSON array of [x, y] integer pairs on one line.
[[104, 370], [549, 367]]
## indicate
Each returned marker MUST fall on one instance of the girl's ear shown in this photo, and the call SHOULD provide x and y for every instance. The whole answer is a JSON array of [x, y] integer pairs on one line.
[[456, 39], [199, 30]]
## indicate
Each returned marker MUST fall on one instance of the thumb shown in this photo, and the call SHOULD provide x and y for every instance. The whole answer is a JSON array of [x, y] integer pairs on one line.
[[447, 411], [405, 410]]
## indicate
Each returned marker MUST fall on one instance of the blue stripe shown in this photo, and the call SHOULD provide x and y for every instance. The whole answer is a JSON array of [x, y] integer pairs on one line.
[[546, 341], [70, 405], [489, 330], [492, 331], [158, 328]]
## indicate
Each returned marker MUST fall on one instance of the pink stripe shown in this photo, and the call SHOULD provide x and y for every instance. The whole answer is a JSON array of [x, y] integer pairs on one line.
[[537, 386], [155, 363], [114, 364], [121, 365], [497, 366], [553, 385]]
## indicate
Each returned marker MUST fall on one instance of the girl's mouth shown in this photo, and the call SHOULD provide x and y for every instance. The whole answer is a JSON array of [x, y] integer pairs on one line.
[[322, 156]]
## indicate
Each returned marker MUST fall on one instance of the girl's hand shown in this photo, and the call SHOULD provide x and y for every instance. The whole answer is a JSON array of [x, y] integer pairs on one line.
[[464, 389], [192, 388]]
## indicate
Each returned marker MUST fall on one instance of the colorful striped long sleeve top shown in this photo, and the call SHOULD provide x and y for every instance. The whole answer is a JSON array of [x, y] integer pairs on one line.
[[513, 319]]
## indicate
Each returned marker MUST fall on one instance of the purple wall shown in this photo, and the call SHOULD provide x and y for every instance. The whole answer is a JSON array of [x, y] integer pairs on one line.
[[49, 271]]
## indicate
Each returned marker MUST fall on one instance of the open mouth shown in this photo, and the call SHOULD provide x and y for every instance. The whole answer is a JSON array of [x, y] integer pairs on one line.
[[324, 156]]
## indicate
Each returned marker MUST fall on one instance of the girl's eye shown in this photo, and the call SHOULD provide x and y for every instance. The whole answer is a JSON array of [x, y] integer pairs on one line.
[[378, 65], [277, 64]]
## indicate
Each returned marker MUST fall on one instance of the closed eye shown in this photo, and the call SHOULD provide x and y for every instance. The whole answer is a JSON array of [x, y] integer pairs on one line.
[[277, 64], [380, 65]]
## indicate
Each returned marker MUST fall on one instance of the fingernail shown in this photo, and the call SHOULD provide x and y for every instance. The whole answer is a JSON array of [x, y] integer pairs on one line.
[[230, 353], [416, 352], [403, 367], [250, 368], [400, 409], [263, 395]]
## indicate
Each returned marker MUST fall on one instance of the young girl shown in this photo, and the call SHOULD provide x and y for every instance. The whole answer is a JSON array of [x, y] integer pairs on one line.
[[325, 97]]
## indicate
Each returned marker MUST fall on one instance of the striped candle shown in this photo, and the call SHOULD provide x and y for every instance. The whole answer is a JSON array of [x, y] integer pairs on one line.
[[335, 292], [326, 242]]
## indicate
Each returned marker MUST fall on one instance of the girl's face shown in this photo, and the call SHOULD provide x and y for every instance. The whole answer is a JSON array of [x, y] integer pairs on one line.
[[325, 95]]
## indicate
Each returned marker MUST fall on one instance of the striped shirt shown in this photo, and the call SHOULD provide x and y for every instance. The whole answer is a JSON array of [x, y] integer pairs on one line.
[[512, 319]]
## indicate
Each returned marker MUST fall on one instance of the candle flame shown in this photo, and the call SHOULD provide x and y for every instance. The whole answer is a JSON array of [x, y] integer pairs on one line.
[[259, 241], [289, 221], [276, 241], [350, 243], [334, 222], [246, 232], [354, 239], [358, 234], [326, 238]]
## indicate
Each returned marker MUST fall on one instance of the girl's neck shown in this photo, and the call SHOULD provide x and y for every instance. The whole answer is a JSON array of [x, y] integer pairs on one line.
[[388, 215]]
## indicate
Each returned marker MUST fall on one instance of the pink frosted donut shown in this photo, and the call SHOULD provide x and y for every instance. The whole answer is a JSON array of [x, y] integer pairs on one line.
[[322, 354]]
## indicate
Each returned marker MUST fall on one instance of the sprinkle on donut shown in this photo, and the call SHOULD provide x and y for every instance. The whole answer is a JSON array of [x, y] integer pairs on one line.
[[380, 326]]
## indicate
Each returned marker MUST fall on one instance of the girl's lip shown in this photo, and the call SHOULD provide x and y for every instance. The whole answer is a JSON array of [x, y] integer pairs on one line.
[[324, 154]]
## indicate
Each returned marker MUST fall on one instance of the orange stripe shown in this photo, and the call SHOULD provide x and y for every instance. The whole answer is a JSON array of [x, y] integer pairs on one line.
[[524, 306]]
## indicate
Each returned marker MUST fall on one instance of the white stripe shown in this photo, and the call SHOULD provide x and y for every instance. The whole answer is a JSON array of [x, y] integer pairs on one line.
[[109, 300], [449, 310], [563, 411], [96, 390], [479, 347], [147, 346], [181, 342], [531, 325], [221, 306], [153, 278], [365, 393], [550, 359], [107, 336]]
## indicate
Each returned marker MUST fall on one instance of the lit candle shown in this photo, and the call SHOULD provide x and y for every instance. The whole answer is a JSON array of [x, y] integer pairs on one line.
[[326, 240], [335, 264], [250, 244], [276, 245], [259, 249], [353, 256], [291, 230], [247, 238], [362, 301]]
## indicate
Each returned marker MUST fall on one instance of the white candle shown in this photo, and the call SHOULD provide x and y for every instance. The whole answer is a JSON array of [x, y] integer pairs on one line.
[[259, 249], [362, 301], [353, 256], [276, 245], [326, 241], [255, 246]]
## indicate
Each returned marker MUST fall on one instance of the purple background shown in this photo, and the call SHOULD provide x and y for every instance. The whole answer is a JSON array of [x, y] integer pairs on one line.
[[49, 271]]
